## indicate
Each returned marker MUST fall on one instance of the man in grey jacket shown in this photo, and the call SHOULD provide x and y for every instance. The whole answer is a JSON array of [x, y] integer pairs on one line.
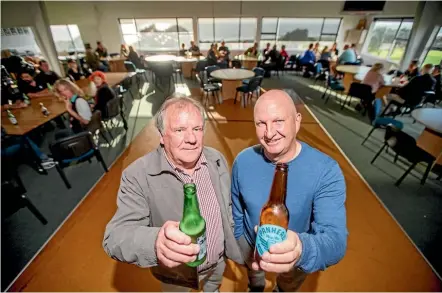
[[145, 229]]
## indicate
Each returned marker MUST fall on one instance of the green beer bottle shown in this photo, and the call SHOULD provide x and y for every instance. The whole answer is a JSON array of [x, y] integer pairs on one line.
[[193, 224]]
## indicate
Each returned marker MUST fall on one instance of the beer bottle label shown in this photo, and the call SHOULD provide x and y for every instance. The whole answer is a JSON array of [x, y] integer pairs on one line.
[[202, 242], [269, 235]]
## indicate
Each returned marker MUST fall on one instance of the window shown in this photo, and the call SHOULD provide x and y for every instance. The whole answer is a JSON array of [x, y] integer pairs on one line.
[[19, 41], [238, 33], [67, 38], [297, 33], [388, 38], [434, 52], [165, 34]]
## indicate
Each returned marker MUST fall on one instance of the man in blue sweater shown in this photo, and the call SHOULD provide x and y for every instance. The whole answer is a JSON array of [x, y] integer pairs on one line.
[[317, 233]]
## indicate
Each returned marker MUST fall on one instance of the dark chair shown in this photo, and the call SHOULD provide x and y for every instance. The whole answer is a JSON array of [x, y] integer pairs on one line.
[[236, 64], [357, 63], [113, 110], [247, 90], [374, 113], [208, 88], [209, 70], [332, 84], [279, 65], [14, 196], [130, 67], [95, 125], [200, 66], [395, 72], [258, 72], [405, 146], [361, 91], [75, 149], [291, 63], [163, 71]]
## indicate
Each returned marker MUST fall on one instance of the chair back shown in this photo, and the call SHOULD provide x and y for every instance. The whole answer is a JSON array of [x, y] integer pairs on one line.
[[236, 64], [199, 79], [95, 122], [162, 69], [72, 147], [201, 66], [112, 108], [357, 63], [325, 64], [360, 90], [259, 71], [210, 69], [130, 67], [254, 83]]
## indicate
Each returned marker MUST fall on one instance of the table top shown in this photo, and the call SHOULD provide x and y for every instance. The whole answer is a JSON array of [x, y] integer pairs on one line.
[[246, 58], [160, 58], [232, 74], [431, 118], [31, 117], [360, 72]]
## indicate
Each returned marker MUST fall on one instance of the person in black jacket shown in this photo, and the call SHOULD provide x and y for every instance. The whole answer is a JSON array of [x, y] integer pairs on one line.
[[46, 76], [74, 73], [104, 92], [438, 85]]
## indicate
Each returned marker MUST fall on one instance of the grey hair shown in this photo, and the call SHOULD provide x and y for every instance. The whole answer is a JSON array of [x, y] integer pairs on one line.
[[180, 101]]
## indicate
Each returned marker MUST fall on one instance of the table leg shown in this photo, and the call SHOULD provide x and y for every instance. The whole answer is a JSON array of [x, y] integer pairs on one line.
[[186, 67], [229, 88], [348, 80]]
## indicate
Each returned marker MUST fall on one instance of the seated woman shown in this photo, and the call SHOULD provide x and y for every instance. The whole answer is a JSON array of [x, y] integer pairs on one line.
[[134, 58], [77, 107], [124, 52], [374, 77], [30, 87], [104, 92], [73, 73]]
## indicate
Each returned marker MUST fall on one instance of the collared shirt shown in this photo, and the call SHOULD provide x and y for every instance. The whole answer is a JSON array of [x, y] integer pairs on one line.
[[209, 208]]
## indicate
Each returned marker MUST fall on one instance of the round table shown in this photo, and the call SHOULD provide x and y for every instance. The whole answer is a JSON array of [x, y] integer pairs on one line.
[[187, 64], [160, 58], [247, 61], [355, 73], [430, 139], [231, 79]]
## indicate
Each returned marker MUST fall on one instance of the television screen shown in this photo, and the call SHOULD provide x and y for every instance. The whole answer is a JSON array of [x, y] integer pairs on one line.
[[364, 5]]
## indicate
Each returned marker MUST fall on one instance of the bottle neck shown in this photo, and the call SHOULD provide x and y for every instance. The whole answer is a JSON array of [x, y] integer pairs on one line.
[[191, 206], [279, 187]]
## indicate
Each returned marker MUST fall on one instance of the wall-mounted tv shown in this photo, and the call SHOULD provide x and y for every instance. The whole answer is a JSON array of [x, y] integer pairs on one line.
[[364, 6]]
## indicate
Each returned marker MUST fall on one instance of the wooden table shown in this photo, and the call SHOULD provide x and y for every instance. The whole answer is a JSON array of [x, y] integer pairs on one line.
[[354, 73], [187, 64], [117, 64], [379, 256], [247, 62], [31, 117], [231, 79], [430, 139]]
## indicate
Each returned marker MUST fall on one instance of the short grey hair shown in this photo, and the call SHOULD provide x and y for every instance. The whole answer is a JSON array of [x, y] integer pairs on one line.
[[180, 101]]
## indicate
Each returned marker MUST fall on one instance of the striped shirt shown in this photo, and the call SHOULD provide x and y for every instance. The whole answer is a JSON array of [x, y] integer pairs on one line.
[[209, 209]]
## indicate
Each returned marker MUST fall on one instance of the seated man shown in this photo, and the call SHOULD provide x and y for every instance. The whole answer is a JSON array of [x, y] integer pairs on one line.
[[183, 50], [46, 76], [225, 49], [315, 198], [414, 90], [74, 73], [348, 56], [145, 228], [31, 87], [252, 51], [412, 70], [308, 59], [93, 61], [438, 84], [194, 49]]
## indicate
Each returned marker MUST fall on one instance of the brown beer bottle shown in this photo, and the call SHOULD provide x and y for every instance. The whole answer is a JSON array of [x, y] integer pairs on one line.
[[274, 218]]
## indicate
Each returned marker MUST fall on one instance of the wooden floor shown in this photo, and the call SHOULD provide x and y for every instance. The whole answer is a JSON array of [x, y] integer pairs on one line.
[[379, 256]]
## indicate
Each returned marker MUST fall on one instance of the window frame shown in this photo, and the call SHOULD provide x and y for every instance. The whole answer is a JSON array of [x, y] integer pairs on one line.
[[214, 40], [76, 50], [153, 18], [431, 44], [396, 39], [276, 33]]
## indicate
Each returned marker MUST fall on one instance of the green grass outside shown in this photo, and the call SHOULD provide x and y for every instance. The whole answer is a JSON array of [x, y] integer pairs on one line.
[[433, 57]]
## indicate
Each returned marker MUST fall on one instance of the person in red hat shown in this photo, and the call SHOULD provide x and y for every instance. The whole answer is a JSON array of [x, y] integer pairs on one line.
[[104, 92]]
